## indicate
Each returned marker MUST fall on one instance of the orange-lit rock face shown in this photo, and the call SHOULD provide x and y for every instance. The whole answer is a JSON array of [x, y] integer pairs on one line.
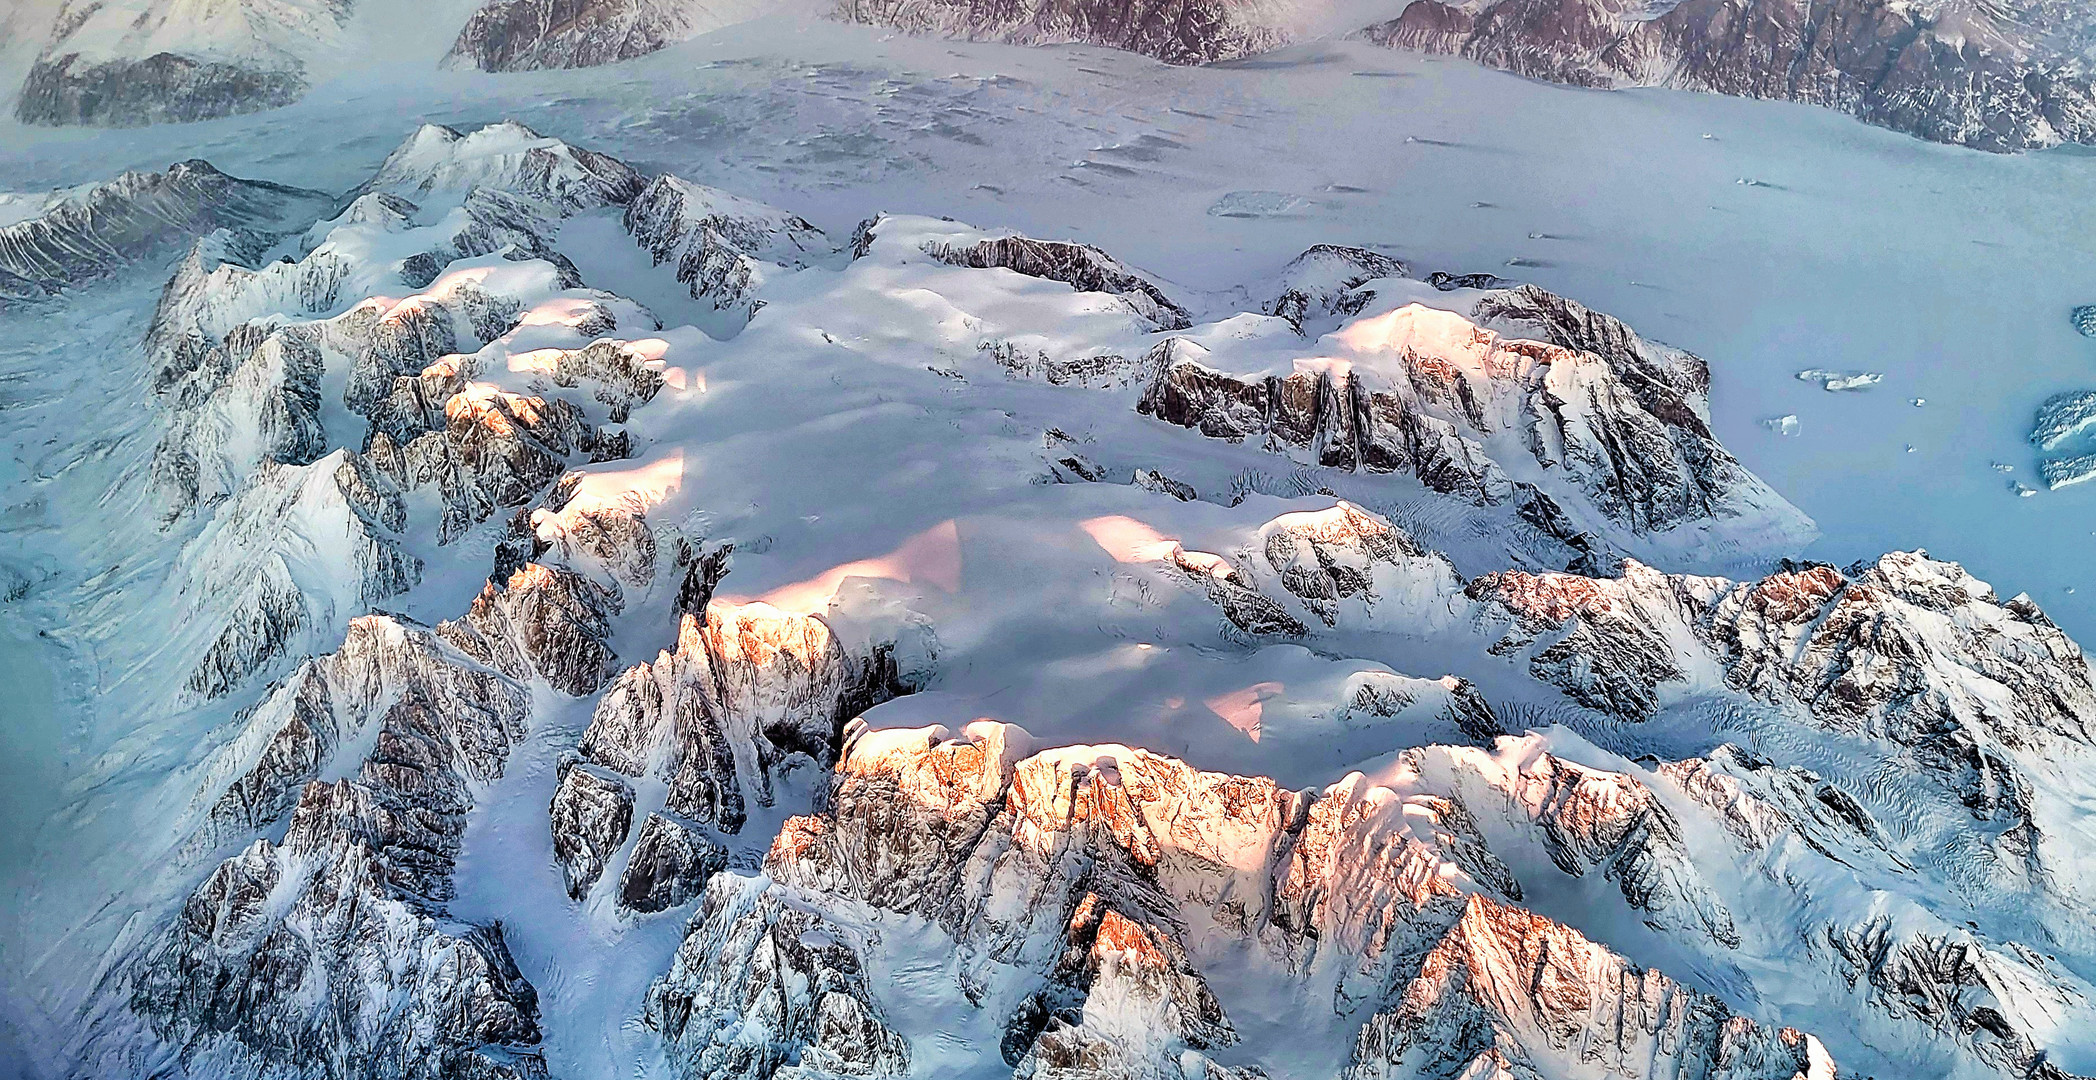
[[1507, 985], [501, 413], [1550, 598], [1090, 864], [1794, 597], [746, 687], [760, 636]]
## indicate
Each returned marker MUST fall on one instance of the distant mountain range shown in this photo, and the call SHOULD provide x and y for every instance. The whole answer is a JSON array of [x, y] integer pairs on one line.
[[2000, 76]]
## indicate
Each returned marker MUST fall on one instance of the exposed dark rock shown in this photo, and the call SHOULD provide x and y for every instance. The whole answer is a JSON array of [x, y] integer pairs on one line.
[[1910, 651], [532, 35], [1080, 266], [745, 689], [1618, 423], [1999, 77], [591, 815], [1195, 33], [159, 89], [723, 245], [758, 986], [1326, 280], [670, 864], [545, 621]]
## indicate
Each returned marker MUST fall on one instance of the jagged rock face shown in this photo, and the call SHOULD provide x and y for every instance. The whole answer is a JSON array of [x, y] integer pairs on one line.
[[1996, 77], [614, 542], [591, 815], [294, 551], [294, 731], [125, 63], [343, 981], [670, 864], [160, 89], [2062, 428], [497, 450], [532, 35], [510, 157], [1606, 419], [723, 245], [1087, 864], [760, 989], [552, 622], [85, 233], [318, 957], [618, 374], [1080, 266], [239, 366], [745, 689], [1506, 993], [1909, 652], [1589, 820], [1174, 33]]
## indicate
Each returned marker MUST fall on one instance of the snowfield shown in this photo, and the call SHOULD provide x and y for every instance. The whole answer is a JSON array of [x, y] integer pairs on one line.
[[813, 553]]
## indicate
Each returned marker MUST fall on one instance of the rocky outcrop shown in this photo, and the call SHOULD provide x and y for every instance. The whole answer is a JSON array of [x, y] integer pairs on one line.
[[1080, 266], [497, 450], [284, 742], [239, 359], [533, 35], [1346, 561], [670, 864], [539, 620], [85, 233], [126, 63], [1912, 654], [746, 690], [591, 815], [1094, 865], [1174, 33], [253, 398], [1609, 425], [724, 246], [1996, 77], [319, 956], [760, 989], [2062, 428], [1326, 281], [1509, 993]]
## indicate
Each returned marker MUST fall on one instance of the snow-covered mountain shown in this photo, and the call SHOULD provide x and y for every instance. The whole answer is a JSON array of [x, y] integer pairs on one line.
[[524, 35], [1997, 76], [147, 61], [1414, 684]]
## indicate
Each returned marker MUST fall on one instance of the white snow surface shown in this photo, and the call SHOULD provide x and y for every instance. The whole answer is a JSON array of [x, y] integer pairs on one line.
[[868, 459]]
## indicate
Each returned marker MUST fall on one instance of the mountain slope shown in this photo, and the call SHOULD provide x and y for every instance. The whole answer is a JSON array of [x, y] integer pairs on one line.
[[1994, 76]]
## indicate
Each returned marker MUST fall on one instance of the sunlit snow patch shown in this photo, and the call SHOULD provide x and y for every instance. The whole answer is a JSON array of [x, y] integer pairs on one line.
[[1839, 380], [1782, 425]]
